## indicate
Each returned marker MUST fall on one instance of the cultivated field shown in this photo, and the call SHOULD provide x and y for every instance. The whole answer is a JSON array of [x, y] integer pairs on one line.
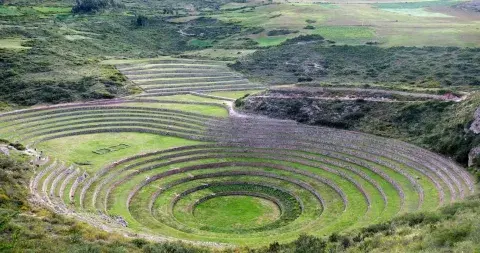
[[388, 22], [158, 164]]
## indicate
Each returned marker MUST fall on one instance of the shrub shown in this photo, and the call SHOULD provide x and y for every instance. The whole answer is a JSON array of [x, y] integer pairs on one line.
[[334, 237], [255, 30], [451, 235], [382, 227], [141, 20], [18, 146], [309, 27], [307, 244], [170, 248], [304, 39], [139, 242], [413, 219], [279, 32], [304, 79], [274, 247], [88, 6]]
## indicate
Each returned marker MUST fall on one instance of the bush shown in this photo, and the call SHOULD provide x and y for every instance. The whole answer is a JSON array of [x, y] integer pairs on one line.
[[170, 248], [308, 244], [451, 235], [280, 32], [18, 146], [139, 242], [309, 27], [413, 219], [89, 6], [304, 39], [141, 20], [274, 247]]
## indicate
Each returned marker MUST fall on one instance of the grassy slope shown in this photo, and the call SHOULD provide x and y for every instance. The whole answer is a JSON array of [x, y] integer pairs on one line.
[[48, 55], [432, 67]]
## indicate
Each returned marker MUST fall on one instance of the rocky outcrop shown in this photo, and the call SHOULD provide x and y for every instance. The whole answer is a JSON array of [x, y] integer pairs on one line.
[[4, 150], [475, 126], [474, 157]]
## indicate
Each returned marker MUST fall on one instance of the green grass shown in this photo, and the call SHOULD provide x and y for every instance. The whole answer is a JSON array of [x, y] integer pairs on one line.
[[13, 43], [346, 34], [418, 12], [234, 94], [200, 43], [79, 149], [9, 11], [194, 98], [52, 10], [414, 5], [271, 41], [219, 54], [208, 110], [240, 212]]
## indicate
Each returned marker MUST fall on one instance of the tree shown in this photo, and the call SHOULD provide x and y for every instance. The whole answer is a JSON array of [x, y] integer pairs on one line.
[[141, 20], [88, 6]]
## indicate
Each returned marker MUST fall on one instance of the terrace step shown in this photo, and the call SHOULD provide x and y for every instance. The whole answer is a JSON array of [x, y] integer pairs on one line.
[[199, 87], [180, 75], [186, 85], [169, 93], [188, 80], [170, 66], [175, 71]]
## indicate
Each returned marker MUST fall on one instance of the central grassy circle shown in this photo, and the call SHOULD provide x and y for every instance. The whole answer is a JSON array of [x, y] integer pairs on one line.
[[241, 212]]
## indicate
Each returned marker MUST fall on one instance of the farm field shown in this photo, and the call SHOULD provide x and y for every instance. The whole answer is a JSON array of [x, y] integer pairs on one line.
[[157, 164], [389, 23]]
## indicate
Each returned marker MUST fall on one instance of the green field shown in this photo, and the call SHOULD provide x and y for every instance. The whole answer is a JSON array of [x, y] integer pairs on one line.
[[236, 212]]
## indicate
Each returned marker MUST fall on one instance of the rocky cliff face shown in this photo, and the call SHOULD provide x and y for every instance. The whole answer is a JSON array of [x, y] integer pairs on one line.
[[474, 157], [475, 126], [474, 154]]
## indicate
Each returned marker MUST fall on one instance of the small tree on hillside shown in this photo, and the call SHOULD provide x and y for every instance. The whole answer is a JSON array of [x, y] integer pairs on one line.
[[141, 20], [88, 6]]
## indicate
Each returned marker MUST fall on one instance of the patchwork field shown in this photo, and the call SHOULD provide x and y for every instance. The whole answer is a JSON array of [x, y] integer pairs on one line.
[[178, 162], [388, 23]]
